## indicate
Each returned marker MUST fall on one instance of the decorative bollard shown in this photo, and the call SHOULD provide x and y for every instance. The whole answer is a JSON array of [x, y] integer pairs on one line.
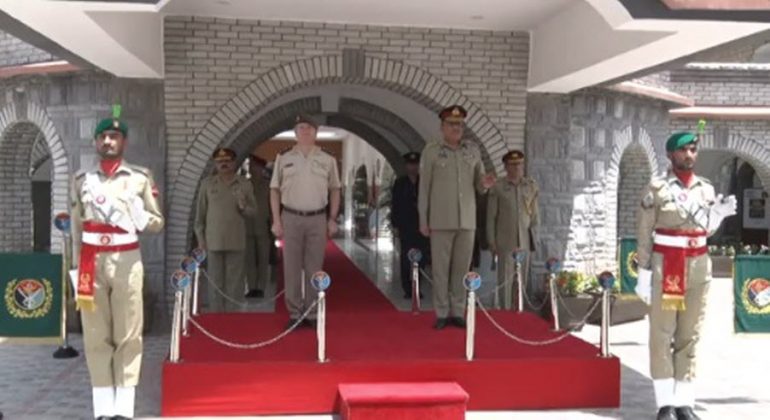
[[553, 265], [415, 256], [519, 256], [321, 281], [472, 282], [606, 280], [179, 280], [63, 224], [199, 255]]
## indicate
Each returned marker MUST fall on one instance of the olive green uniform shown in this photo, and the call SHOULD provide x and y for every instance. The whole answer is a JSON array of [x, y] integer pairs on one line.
[[449, 179], [221, 223], [112, 333], [673, 334], [304, 183], [258, 236], [512, 216]]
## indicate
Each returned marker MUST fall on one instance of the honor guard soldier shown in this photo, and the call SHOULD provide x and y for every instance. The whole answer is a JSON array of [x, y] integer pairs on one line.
[[258, 230], [405, 219], [675, 217], [111, 205], [512, 217], [225, 201], [305, 180], [451, 172]]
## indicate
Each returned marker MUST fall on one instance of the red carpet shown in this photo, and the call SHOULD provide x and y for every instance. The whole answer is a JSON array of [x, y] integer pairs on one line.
[[368, 340]]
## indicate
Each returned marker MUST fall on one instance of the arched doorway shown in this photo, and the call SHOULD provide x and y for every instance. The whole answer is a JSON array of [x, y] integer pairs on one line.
[[634, 174]]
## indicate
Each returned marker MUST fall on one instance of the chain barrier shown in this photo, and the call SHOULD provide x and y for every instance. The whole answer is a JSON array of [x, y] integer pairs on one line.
[[260, 344], [560, 297], [543, 342], [242, 304]]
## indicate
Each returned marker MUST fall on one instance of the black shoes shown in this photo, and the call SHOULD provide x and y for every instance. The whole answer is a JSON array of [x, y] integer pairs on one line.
[[667, 413], [686, 413], [440, 323], [457, 322], [255, 293]]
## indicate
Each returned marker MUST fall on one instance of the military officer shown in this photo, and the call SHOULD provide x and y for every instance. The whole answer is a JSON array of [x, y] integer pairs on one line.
[[451, 172], [305, 180], [512, 218], [258, 230], [225, 201], [111, 205], [675, 217], [405, 219]]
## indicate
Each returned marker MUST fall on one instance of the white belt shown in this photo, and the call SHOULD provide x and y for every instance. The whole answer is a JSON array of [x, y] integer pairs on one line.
[[109, 239], [680, 241]]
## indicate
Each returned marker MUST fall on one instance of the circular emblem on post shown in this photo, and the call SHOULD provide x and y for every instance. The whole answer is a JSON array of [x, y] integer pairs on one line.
[[415, 255], [101, 199], [189, 265], [62, 222], [519, 255], [105, 239], [180, 279], [472, 281], [321, 281], [632, 264], [756, 296], [553, 265], [199, 254], [606, 280], [29, 298]]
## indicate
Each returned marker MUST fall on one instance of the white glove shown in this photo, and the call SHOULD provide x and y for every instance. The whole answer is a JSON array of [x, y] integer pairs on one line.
[[644, 285], [723, 207], [138, 215]]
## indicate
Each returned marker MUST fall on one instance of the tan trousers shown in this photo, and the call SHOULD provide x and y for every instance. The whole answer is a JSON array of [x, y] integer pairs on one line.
[[303, 249], [257, 261], [506, 270], [451, 253], [226, 271], [112, 333], [675, 334]]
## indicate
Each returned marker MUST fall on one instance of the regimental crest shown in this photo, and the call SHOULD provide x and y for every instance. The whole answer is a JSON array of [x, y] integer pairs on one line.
[[672, 284], [756, 296], [29, 298], [632, 262]]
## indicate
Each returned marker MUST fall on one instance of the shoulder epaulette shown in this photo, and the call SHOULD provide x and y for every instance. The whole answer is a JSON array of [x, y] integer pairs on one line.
[[704, 180], [141, 169], [285, 150]]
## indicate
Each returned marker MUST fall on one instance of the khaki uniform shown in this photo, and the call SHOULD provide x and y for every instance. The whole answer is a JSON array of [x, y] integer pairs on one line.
[[258, 236], [222, 225], [449, 179], [673, 334], [512, 215], [112, 333], [304, 184]]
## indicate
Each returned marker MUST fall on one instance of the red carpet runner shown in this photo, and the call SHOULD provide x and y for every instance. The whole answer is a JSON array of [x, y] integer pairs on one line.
[[368, 340]]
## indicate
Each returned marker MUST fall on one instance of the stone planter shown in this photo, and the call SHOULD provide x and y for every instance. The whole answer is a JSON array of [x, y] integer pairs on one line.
[[572, 309], [722, 266], [623, 309]]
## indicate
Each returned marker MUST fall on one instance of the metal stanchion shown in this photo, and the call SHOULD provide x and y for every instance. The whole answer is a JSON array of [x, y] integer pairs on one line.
[[195, 291], [553, 265], [186, 297], [173, 353], [62, 222], [415, 255], [472, 282], [192, 265], [606, 280], [321, 281], [518, 256]]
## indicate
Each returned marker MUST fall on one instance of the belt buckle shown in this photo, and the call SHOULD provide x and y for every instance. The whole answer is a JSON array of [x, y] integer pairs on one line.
[[105, 239], [692, 242]]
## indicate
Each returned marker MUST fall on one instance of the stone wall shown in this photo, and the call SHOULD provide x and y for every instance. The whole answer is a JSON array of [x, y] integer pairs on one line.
[[634, 176], [724, 85], [14, 52], [16, 188]]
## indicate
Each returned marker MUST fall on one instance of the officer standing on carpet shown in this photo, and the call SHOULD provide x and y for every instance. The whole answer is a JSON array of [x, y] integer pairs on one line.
[[451, 172], [258, 230], [305, 181], [405, 219], [225, 200], [675, 217], [512, 217], [111, 204]]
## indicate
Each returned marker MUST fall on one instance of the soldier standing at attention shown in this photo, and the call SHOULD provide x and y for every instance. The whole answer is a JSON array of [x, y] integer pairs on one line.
[[305, 180], [258, 231], [110, 205], [405, 219], [451, 172], [676, 216], [225, 200], [512, 216]]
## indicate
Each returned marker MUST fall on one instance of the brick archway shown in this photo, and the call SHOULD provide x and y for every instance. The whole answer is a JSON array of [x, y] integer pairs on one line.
[[223, 127], [748, 149], [16, 122]]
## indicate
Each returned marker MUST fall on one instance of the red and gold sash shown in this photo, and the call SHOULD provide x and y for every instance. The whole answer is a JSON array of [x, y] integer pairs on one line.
[[675, 266], [87, 263]]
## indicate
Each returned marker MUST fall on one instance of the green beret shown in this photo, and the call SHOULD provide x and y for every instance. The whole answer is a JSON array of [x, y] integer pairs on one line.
[[679, 140], [108, 124]]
